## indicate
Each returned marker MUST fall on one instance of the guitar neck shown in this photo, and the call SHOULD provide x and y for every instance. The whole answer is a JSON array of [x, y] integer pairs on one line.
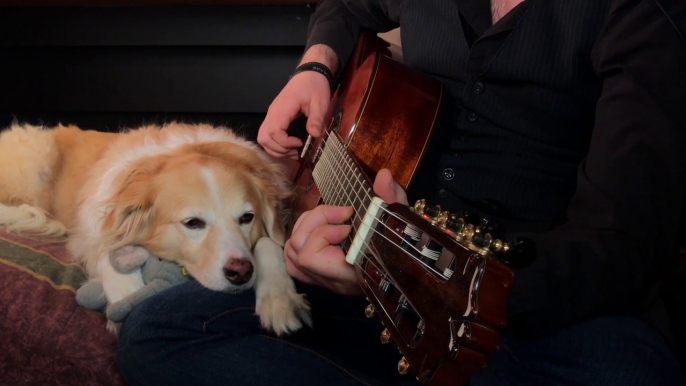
[[342, 183]]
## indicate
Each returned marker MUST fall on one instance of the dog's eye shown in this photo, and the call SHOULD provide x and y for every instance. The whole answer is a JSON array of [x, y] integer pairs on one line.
[[246, 218], [194, 223]]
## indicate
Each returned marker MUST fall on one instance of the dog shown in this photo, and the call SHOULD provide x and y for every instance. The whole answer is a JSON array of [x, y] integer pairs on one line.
[[199, 195]]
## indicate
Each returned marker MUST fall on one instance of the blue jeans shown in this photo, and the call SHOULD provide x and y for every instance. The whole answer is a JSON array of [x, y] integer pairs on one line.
[[188, 335]]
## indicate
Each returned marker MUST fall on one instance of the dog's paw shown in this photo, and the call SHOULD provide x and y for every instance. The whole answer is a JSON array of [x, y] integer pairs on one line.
[[283, 312]]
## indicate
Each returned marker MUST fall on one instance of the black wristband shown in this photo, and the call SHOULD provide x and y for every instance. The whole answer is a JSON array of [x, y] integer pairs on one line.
[[316, 67]]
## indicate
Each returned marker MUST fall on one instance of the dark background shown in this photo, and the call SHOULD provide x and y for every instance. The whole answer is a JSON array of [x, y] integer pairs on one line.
[[113, 67]]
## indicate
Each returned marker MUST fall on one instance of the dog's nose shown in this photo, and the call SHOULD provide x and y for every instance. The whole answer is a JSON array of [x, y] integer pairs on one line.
[[238, 271]]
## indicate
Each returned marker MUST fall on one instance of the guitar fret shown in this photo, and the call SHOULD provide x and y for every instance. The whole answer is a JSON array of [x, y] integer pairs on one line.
[[359, 185], [354, 182], [331, 185], [343, 171], [340, 183], [328, 165], [325, 185]]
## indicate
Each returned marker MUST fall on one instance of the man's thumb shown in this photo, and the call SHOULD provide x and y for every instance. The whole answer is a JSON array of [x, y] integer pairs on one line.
[[387, 189]]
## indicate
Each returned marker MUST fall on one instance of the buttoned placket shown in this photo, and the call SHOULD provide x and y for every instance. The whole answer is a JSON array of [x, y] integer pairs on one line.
[[482, 52]]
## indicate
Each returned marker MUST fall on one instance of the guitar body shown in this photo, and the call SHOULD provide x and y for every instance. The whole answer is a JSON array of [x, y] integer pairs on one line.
[[384, 111], [382, 116]]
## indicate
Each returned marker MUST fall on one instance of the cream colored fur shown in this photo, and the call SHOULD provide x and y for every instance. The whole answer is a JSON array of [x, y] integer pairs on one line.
[[28, 159], [106, 190]]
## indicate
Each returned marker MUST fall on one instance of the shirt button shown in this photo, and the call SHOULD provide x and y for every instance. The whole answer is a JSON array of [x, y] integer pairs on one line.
[[442, 193], [448, 174], [478, 88], [471, 116]]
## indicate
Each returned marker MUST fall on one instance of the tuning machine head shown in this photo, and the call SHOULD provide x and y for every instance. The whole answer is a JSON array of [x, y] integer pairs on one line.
[[426, 211], [369, 311], [483, 235], [385, 336], [403, 366]]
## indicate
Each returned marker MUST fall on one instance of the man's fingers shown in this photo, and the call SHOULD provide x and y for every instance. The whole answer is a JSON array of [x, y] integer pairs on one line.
[[321, 215], [272, 131], [327, 235], [321, 255], [280, 114], [285, 141], [296, 273], [319, 249], [315, 119]]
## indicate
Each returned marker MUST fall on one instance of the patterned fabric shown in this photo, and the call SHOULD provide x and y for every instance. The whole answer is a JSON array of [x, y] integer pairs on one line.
[[46, 338]]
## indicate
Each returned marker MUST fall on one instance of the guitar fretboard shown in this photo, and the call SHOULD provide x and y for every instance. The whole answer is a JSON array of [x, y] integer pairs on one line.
[[341, 183]]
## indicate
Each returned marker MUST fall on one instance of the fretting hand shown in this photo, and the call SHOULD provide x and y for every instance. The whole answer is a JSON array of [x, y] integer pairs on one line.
[[312, 253]]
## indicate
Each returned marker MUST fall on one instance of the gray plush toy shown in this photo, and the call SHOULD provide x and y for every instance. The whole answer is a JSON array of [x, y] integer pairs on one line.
[[158, 275]]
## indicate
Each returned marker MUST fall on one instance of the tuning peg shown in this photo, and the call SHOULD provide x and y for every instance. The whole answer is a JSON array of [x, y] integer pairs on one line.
[[411, 235], [369, 311], [386, 287], [519, 252], [404, 308], [468, 232], [431, 251], [482, 240], [433, 211], [419, 206], [454, 223], [450, 269], [385, 336], [403, 366]]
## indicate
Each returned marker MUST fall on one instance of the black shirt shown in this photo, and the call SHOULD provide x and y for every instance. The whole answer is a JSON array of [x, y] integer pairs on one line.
[[567, 120]]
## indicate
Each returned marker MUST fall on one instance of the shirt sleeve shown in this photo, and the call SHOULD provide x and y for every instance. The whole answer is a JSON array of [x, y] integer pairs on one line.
[[622, 222], [337, 23]]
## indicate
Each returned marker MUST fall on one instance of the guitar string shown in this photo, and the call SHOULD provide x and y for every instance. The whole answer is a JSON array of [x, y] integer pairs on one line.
[[327, 187], [343, 155], [327, 134], [330, 186], [334, 169]]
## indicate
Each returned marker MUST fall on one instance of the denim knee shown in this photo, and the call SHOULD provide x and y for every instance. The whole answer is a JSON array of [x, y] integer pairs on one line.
[[174, 320]]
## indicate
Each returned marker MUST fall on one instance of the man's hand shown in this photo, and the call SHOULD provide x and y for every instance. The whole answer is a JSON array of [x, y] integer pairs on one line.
[[306, 93], [312, 253]]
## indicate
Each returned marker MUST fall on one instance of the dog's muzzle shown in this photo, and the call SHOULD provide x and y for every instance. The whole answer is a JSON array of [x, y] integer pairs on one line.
[[238, 271]]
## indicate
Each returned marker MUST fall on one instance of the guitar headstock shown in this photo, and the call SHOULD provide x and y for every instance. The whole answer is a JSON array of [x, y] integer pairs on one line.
[[439, 282]]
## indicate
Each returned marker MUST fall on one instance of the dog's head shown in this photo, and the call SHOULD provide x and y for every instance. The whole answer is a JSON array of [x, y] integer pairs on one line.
[[204, 206]]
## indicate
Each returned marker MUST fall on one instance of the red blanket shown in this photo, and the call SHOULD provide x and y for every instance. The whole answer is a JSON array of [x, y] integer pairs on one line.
[[45, 337]]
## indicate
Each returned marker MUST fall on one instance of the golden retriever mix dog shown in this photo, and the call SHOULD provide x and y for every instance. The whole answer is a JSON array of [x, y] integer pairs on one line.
[[194, 194]]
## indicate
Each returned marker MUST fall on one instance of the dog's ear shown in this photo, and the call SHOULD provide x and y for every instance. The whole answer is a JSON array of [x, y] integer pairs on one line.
[[129, 221], [274, 189]]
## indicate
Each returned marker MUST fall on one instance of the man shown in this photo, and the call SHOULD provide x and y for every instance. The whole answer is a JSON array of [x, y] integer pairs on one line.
[[564, 119]]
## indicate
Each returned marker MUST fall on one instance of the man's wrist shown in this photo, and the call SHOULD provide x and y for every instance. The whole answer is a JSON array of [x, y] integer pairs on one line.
[[319, 68], [323, 54]]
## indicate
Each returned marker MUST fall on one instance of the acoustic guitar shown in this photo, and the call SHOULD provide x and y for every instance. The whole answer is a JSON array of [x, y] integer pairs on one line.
[[436, 280]]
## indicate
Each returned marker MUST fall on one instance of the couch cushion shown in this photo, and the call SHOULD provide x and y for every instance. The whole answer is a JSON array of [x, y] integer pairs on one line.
[[46, 337]]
